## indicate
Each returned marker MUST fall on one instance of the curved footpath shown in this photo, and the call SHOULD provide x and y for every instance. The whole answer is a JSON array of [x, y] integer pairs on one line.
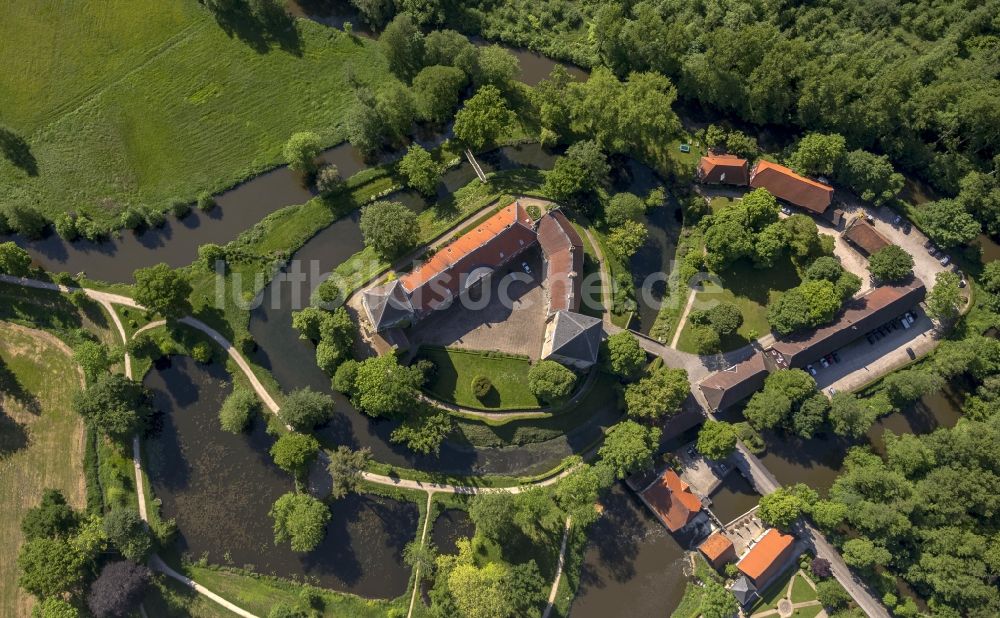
[[108, 300]]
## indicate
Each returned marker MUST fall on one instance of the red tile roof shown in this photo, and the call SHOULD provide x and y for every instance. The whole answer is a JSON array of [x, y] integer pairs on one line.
[[764, 558], [786, 185], [717, 547], [672, 500], [563, 251], [491, 244], [728, 169]]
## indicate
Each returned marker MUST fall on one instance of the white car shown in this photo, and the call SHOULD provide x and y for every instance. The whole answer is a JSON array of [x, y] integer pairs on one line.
[[811, 369], [824, 362], [944, 261], [526, 268]]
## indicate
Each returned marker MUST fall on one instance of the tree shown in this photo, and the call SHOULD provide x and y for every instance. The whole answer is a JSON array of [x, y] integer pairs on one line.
[[299, 519], [850, 416], [346, 466], [376, 13], [623, 207], [818, 154], [717, 602], [383, 387], [94, 358], [725, 318], [449, 48], [481, 387], [780, 508], [128, 533], [658, 395], [626, 239], [301, 151], [810, 304], [403, 46], [890, 264], [420, 170], [24, 220], [483, 118], [497, 67], [51, 518], [795, 384], [583, 168], [305, 409], [726, 241], [329, 180], [293, 452], [870, 176], [164, 290], [390, 228], [14, 260], [948, 223], [238, 410], [119, 589], [345, 377], [828, 515], [424, 432], [437, 91], [628, 447], [114, 405], [210, 255], [493, 514], [767, 409], [717, 439], [945, 301], [761, 208], [810, 414], [550, 381], [625, 356], [832, 595], [49, 567], [862, 553]]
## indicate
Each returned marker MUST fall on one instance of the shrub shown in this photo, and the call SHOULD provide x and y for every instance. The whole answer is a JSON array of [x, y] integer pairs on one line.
[[238, 410], [293, 452], [345, 376], [202, 352], [180, 208], [155, 218], [66, 227], [128, 533], [305, 409], [329, 180], [832, 595], [131, 218], [205, 201], [481, 387], [534, 212]]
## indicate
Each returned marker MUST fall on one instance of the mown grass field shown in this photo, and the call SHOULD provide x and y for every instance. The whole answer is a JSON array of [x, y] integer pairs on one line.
[[456, 369], [138, 101], [41, 442]]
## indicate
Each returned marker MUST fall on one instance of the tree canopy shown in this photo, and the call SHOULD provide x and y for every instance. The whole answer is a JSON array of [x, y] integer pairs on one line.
[[114, 405], [300, 520], [483, 118], [163, 290], [628, 447], [891, 264], [390, 228], [550, 381]]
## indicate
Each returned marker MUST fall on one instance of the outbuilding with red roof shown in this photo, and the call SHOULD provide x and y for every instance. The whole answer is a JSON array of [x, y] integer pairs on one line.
[[790, 187]]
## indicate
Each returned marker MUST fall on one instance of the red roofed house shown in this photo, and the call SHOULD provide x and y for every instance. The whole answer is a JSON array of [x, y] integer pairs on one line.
[[723, 169], [718, 550], [470, 258], [672, 501], [786, 185], [767, 558]]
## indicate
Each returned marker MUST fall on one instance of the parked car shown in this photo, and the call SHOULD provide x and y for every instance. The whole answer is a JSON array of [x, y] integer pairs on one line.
[[907, 227], [832, 391], [962, 283], [928, 244], [824, 362], [836, 357], [526, 268], [944, 261], [811, 369], [871, 340], [870, 219], [897, 219], [786, 210]]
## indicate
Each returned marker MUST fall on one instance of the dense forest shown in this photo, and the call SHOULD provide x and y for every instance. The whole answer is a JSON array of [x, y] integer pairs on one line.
[[916, 81]]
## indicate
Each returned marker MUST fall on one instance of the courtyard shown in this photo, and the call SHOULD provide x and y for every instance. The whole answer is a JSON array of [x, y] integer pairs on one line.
[[507, 316]]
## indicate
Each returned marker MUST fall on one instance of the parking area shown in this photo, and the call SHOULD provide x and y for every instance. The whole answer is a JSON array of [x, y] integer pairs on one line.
[[703, 476], [875, 353]]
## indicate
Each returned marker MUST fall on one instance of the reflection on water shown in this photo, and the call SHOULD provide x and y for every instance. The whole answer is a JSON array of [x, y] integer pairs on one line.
[[219, 487], [733, 498], [451, 525], [818, 461], [631, 563]]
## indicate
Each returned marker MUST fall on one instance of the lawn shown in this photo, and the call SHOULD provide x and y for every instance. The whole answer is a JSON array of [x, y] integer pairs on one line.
[[751, 290], [137, 102], [168, 598], [801, 592], [41, 442], [456, 369]]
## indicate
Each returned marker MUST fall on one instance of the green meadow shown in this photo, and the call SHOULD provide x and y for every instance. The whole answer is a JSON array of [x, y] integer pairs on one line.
[[143, 101]]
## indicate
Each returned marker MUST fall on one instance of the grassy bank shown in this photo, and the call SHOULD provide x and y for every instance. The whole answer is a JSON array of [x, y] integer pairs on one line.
[[138, 102], [41, 442]]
